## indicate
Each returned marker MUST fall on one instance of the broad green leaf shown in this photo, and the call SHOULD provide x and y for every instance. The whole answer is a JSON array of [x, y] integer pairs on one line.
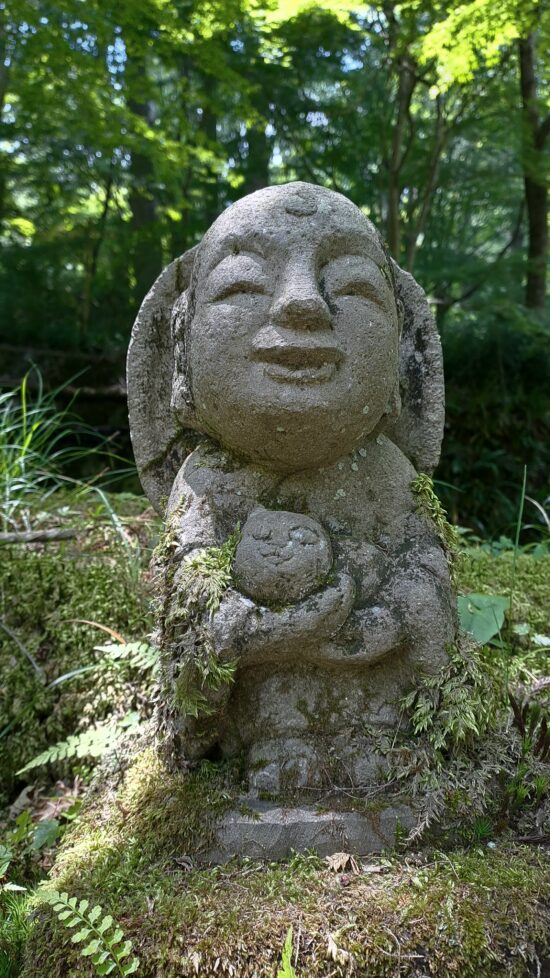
[[45, 834], [482, 615]]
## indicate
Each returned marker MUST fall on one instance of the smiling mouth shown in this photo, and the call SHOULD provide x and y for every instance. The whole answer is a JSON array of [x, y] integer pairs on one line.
[[299, 363]]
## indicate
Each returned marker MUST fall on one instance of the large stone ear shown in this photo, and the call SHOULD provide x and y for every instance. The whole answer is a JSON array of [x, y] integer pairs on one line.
[[418, 430], [159, 402]]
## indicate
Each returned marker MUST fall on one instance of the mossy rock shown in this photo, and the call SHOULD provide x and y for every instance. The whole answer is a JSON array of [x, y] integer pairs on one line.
[[478, 913]]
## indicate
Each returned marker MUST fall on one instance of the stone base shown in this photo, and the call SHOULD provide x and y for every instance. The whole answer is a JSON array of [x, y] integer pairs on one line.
[[263, 830]]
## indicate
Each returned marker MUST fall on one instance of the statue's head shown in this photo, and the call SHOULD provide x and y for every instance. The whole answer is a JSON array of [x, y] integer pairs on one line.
[[287, 340]]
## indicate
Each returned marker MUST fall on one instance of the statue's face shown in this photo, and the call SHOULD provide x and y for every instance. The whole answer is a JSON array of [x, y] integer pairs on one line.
[[293, 341]]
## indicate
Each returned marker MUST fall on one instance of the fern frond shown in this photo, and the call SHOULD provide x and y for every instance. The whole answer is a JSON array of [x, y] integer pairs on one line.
[[104, 940], [93, 742], [137, 655]]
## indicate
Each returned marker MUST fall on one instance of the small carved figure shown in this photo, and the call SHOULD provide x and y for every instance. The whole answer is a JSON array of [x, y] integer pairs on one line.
[[309, 366]]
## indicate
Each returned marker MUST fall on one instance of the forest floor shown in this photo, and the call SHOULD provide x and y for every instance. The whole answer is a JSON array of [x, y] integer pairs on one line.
[[75, 662]]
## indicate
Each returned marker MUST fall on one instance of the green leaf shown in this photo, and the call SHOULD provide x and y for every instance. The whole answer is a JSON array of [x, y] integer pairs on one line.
[[107, 968], [482, 615], [115, 937], [124, 951], [130, 967], [92, 948], [101, 956], [105, 924], [95, 913], [45, 834], [81, 935]]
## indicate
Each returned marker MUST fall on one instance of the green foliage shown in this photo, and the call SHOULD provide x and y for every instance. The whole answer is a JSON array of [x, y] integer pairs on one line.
[[201, 672], [15, 928], [93, 742], [458, 705], [103, 940], [76, 686], [37, 443], [430, 506], [532, 720], [207, 574], [286, 970], [482, 615]]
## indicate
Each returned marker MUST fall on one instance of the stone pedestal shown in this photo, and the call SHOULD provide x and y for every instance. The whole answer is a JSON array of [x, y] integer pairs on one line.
[[262, 830]]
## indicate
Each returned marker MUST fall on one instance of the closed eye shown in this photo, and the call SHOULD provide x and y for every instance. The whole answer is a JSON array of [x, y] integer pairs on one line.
[[238, 287], [361, 289]]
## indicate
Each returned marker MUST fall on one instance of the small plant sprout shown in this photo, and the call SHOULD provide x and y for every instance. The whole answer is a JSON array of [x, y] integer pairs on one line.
[[286, 970]]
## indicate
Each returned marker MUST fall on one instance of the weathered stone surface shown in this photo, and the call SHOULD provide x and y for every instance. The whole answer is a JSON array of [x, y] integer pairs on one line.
[[265, 831], [308, 367], [281, 557]]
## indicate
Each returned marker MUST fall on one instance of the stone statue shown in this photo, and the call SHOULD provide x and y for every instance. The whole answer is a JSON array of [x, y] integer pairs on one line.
[[285, 388]]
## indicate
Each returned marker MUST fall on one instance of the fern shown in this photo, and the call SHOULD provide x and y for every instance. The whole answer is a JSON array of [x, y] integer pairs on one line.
[[286, 970], [456, 706], [93, 742], [137, 655], [106, 946]]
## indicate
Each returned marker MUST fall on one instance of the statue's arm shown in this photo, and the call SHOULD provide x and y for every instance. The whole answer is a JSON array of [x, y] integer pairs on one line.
[[414, 609], [240, 625]]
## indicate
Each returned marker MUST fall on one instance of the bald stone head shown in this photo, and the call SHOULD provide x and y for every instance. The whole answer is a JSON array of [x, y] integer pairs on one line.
[[291, 328]]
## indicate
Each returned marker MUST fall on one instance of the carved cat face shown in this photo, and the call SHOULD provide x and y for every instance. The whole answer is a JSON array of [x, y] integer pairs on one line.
[[292, 330]]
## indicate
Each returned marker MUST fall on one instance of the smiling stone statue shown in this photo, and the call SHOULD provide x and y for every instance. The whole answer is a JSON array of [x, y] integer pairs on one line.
[[285, 387]]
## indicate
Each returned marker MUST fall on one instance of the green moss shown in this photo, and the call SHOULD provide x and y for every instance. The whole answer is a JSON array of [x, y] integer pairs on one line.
[[480, 572], [429, 505], [477, 914], [196, 674], [42, 592]]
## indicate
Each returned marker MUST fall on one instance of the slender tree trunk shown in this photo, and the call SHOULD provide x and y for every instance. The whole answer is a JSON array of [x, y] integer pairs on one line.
[[440, 138], [4, 77], [209, 130], [146, 242], [97, 241], [399, 151], [258, 160], [535, 134]]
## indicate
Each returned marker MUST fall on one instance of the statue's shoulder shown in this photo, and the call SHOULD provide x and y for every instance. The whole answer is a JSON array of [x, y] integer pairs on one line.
[[210, 472]]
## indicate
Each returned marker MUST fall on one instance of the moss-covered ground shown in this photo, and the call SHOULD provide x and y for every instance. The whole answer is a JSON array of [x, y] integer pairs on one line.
[[480, 910]]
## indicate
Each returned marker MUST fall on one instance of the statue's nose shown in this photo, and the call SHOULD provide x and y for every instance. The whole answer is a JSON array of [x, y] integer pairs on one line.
[[301, 306]]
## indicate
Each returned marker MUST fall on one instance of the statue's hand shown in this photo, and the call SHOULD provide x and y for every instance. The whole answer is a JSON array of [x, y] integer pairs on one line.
[[245, 629]]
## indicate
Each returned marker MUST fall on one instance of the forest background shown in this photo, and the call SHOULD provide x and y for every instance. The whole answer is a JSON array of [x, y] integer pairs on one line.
[[127, 126]]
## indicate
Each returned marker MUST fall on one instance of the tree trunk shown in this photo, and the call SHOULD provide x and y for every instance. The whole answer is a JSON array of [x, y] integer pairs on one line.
[[407, 81], [535, 134], [4, 75], [91, 267], [209, 130], [258, 159], [146, 241]]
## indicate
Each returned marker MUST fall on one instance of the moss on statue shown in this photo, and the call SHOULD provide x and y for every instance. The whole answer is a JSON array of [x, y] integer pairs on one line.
[[480, 913]]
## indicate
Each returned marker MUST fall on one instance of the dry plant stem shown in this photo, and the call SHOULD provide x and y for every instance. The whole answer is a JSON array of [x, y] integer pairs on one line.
[[38, 536]]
